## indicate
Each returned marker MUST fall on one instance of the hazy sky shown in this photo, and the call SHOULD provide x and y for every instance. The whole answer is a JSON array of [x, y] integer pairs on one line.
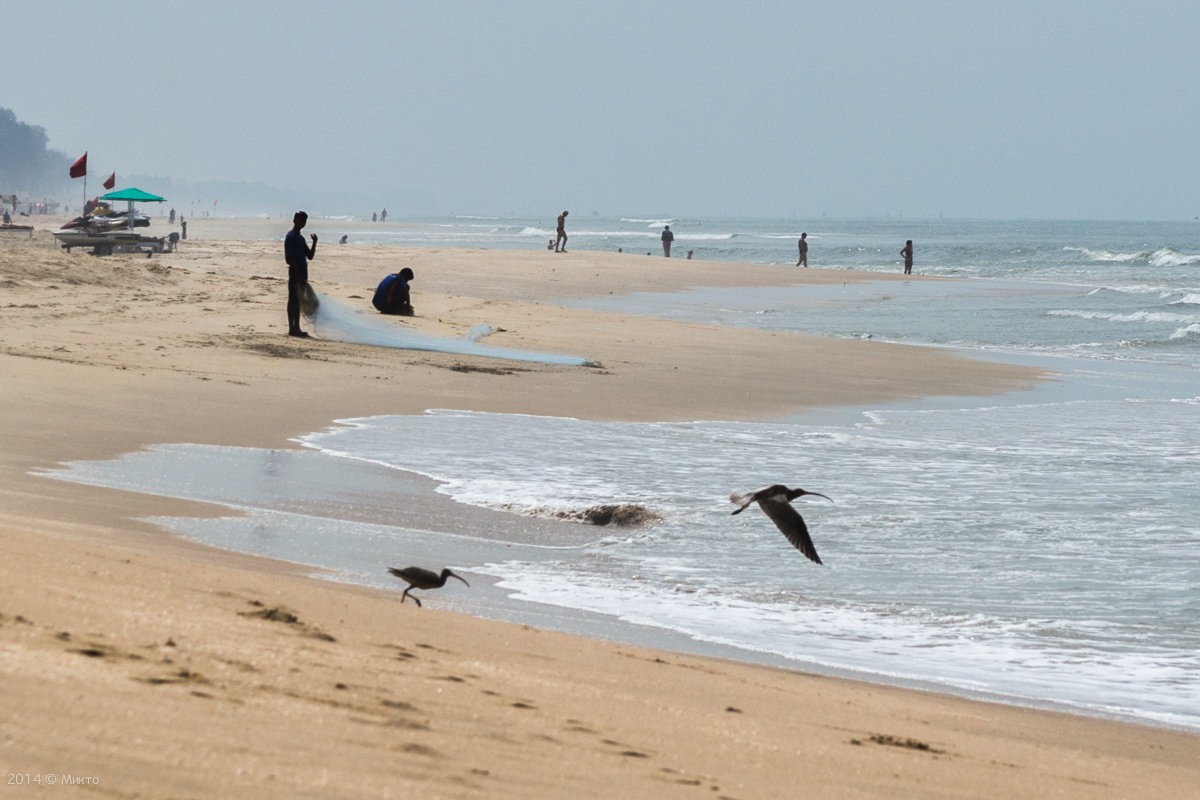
[[968, 109]]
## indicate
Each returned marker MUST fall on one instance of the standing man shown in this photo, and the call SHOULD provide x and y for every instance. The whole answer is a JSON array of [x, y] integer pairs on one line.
[[297, 254], [560, 242], [667, 238], [907, 252], [803, 245]]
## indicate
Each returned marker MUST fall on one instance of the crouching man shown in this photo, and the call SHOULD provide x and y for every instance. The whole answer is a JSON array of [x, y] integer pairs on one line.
[[392, 294]]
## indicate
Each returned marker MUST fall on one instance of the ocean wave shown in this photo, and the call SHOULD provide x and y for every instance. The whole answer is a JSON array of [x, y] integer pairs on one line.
[[702, 237], [1161, 291], [531, 231], [1190, 299], [1167, 257], [1163, 257], [648, 221], [1186, 332], [1107, 256], [1136, 316]]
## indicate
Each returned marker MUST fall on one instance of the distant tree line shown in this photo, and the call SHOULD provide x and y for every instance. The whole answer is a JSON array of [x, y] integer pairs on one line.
[[32, 171], [27, 166]]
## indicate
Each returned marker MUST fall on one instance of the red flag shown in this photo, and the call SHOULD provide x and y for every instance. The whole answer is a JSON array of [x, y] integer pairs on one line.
[[111, 182], [79, 168]]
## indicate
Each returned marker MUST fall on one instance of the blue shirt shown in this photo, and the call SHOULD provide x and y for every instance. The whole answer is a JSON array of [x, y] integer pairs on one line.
[[295, 252], [380, 300]]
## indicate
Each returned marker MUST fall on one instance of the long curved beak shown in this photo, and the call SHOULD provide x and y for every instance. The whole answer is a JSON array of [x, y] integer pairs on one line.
[[461, 578], [818, 494]]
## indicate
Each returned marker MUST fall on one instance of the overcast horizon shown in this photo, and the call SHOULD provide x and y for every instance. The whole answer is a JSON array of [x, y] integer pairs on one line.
[[1050, 110]]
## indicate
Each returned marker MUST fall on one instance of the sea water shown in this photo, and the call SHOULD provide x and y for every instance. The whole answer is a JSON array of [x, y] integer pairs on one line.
[[1040, 546]]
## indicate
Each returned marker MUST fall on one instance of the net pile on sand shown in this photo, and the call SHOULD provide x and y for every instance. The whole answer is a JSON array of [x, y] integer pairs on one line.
[[339, 322], [309, 301]]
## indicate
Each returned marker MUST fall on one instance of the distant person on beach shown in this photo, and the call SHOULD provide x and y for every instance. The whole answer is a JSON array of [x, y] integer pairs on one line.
[[374, 217], [560, 241], [392, 294], [803, 245], [296, 253], [907, 252], [667, 238], [689, 258], [383, 215], [345, 238], [172, 216]]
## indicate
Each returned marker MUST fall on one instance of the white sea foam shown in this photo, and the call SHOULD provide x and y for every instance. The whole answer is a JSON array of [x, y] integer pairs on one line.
[[1106, 256], [704, 237], [1135, 316], [1188, 331], [1163, 257], [1083, 565], [619, 234], [885, 639], [1134, 289], [651, 222], [1167, 257]]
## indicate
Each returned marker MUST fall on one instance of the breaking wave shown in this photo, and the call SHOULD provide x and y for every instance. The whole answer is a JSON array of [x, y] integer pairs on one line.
[[1163, 257], [1136, 316]]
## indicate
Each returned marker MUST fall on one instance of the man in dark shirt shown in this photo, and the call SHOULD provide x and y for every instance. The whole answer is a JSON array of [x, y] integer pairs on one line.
[[297, 254], [667, 238], [392, 294]]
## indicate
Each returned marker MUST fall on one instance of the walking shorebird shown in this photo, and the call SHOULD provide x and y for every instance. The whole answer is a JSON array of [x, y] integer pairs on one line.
[[419, 578], [776, 502]]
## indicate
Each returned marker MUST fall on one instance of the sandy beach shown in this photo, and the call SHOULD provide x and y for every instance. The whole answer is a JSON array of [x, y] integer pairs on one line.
[[147, 666]]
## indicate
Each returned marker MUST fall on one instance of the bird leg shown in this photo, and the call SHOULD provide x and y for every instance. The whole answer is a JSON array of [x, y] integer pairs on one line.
[[414, 597]]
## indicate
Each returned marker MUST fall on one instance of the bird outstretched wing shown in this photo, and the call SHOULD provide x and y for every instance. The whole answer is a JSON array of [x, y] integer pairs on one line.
[[790, 524]]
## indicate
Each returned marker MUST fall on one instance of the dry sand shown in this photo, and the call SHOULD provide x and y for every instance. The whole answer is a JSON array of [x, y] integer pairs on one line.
[[160, 668]]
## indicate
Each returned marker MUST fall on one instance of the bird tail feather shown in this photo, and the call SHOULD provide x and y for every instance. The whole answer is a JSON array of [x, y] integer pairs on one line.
[[742, 500]]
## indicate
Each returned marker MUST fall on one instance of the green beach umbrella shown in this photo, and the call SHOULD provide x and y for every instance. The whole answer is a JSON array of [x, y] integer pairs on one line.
[[132, 195]]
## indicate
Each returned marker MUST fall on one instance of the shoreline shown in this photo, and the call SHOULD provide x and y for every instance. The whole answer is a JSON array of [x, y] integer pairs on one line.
[[167, 682], [514, 528]]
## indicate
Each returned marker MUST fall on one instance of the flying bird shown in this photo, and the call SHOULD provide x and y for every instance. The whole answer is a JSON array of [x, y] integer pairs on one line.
[[418, 578], [776, 502]]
